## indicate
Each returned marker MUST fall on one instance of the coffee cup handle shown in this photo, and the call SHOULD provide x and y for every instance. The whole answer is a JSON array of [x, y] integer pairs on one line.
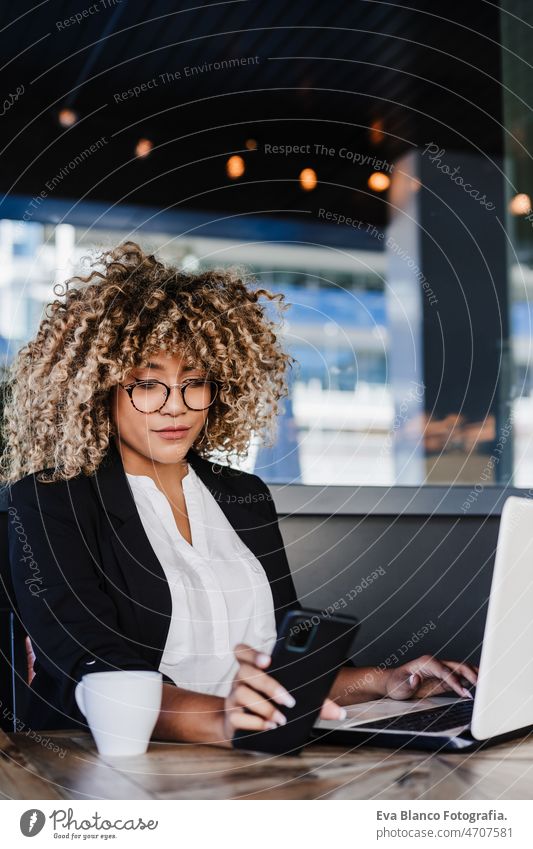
[[78, 695]]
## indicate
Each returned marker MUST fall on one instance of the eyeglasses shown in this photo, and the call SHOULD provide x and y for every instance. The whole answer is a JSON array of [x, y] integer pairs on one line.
[[149, 396]]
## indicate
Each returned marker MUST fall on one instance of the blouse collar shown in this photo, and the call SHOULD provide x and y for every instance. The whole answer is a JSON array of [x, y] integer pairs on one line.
[[146, 482]]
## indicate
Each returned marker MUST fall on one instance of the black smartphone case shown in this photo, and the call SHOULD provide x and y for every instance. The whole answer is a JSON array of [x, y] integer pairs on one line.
[[307, 672]]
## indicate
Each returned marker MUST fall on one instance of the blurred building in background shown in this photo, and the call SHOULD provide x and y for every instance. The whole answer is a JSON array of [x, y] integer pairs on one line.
[[343, 424]]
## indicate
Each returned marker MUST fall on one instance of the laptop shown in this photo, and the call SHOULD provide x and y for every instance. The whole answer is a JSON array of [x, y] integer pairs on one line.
[[502, 707]]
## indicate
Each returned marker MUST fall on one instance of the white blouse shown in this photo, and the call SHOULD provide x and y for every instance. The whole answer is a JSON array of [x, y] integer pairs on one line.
[[220, 592]]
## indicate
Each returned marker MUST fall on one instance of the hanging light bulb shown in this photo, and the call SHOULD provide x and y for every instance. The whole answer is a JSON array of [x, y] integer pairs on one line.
[[308, 180], [375, 131], [67, 117], [520, 204], [378, 181], [143, 148], [235, 167]]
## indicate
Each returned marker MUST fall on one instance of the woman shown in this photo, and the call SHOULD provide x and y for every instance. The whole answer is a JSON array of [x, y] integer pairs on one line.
[[129, 548]]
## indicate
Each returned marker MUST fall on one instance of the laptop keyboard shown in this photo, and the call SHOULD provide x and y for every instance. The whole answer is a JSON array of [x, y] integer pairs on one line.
[[434, 719]]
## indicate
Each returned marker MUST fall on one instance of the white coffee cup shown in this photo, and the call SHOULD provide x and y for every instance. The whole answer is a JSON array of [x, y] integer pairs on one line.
[[121, 708]]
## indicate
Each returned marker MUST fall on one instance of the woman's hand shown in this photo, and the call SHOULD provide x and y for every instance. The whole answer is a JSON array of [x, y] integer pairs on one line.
[[252, 688], [30, 659], [427, 676]]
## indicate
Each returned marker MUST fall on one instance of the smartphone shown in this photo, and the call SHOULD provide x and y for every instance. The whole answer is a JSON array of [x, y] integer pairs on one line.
[[310, 649]]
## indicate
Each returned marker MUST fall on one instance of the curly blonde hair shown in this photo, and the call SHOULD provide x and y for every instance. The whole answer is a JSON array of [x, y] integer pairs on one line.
[[57, 412]]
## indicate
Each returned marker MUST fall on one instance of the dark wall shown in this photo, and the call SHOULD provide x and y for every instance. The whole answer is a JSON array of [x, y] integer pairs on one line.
[[399, 576]]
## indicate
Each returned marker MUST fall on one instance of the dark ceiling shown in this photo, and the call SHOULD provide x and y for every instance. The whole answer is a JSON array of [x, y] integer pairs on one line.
[[324, 73]]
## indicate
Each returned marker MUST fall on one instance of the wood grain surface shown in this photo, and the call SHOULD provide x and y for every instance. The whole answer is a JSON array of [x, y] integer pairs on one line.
[[30, 769]]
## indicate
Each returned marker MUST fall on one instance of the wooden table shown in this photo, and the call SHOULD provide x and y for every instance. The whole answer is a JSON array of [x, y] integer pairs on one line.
[[33, 770]]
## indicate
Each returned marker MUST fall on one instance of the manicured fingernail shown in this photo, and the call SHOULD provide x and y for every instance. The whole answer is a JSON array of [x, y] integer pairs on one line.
[[263, 659], [280, 718], [467, 693], [342, 713], [269, 725], [285, 698], [412, 680]]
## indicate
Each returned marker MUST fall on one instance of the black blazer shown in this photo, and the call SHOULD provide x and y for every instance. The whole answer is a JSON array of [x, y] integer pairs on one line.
[[90, 590]]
